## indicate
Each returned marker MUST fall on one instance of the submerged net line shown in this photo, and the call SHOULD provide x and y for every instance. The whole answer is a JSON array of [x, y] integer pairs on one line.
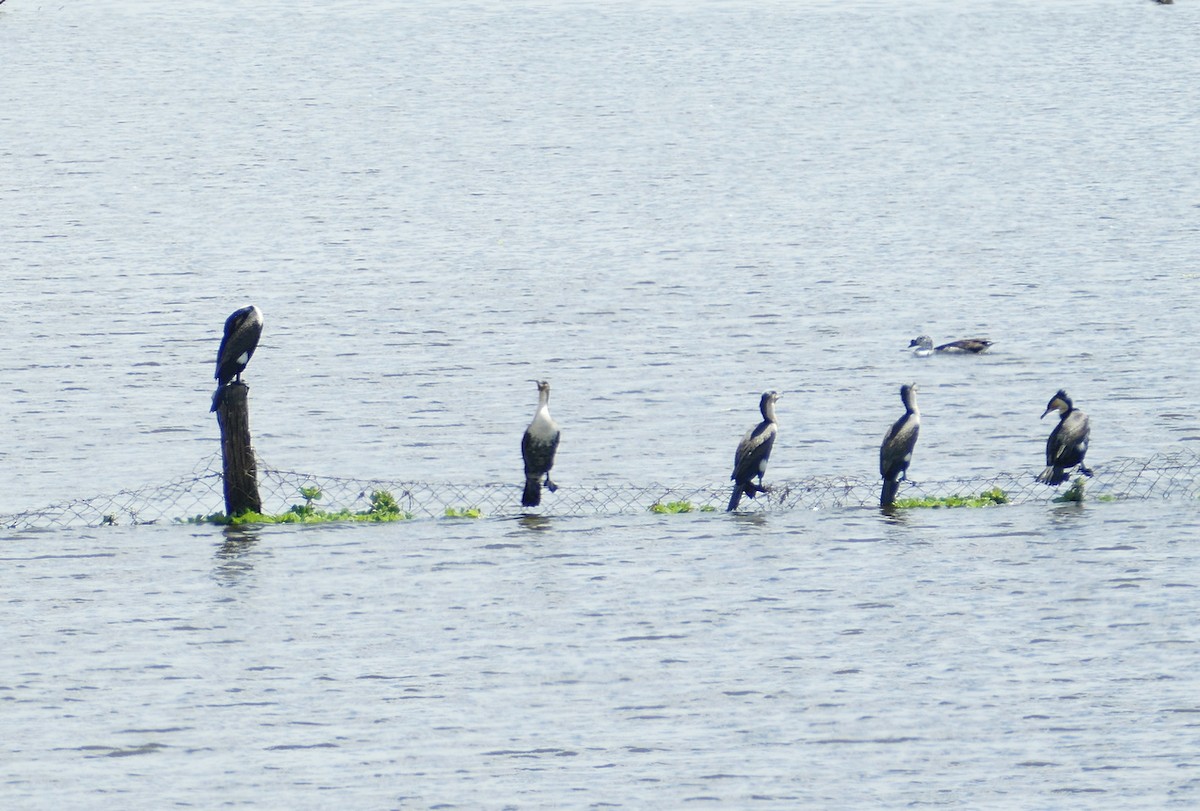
[[1174, 475]]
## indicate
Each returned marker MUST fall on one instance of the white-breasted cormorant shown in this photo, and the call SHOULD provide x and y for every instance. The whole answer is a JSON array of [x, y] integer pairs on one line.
[[538, 447], [242, 330], [753, 451], [896, 452], [1068, 442], [971, 346]]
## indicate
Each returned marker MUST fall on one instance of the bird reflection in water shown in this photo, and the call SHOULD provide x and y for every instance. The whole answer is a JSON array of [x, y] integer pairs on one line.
[[535, 523]]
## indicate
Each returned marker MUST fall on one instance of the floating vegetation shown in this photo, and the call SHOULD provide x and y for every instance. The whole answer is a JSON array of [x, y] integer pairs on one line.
[[1076, 491], [464, 512], [383, 503], [1174, 475], [988, 498], [674, 507], [383, 508]]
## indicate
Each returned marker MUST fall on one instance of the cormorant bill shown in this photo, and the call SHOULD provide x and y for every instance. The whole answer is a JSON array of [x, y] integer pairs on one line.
[[753, 451], [538, 447], [1068, 442], [896, 452], [925, 348], [242, 330]]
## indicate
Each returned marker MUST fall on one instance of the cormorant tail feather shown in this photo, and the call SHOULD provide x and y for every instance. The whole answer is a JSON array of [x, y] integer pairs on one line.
[[888, 495], [1053, 476], [749, 488], [735, 499], [532, 496]]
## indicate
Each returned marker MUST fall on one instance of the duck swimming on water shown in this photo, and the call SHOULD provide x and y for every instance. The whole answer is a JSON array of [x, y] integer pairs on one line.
[[750, 459], [1068, 442], [896, 452], [971, 346]]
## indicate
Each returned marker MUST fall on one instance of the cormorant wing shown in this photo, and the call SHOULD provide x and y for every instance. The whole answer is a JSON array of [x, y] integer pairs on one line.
[[242, 330], [753, 451], [896, 451]]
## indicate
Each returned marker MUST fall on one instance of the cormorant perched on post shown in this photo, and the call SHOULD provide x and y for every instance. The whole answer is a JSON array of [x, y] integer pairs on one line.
[[538, 447], [1068, 442], [242, 330], [753, 451], [896, 452], [925, 348]]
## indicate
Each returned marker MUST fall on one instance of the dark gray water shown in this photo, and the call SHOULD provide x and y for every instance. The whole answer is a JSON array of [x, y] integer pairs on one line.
[[664, 209]]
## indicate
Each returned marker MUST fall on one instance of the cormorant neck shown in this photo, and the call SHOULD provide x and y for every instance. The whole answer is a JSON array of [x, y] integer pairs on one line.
[[768, 410]]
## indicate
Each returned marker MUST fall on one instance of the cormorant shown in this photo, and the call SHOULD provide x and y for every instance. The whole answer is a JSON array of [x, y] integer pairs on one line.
[[538, 447], [1068, 442], [896, 452], [753, 451], [242, 330], [925, 348]]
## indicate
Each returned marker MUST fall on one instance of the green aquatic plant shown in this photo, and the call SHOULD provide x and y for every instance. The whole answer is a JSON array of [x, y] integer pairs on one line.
[[464, 512], [310, 494], [383, 508], [671, 507], [383, 503], [1075, 494], [674, 507], [988, 498]]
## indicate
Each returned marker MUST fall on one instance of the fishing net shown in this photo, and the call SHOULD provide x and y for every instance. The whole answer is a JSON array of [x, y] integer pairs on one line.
[[1163, 476]]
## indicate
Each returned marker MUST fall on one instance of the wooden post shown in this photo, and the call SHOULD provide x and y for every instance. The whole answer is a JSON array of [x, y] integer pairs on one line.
[[237, 454]]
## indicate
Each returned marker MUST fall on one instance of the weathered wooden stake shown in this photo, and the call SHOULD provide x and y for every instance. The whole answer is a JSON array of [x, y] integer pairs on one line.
[[237, 453]]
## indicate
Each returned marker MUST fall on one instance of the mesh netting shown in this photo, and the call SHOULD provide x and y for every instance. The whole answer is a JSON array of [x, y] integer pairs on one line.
[[200, 492], [1168, 475]]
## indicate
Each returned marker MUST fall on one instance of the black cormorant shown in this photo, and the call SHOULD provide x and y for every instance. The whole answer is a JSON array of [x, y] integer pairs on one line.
[[538, 447], [972, 346], [1068, 442], [753, 451], [242, 330], [896, 452]]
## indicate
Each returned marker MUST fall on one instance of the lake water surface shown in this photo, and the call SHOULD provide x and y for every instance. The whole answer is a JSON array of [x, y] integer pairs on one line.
[[664, 209]]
